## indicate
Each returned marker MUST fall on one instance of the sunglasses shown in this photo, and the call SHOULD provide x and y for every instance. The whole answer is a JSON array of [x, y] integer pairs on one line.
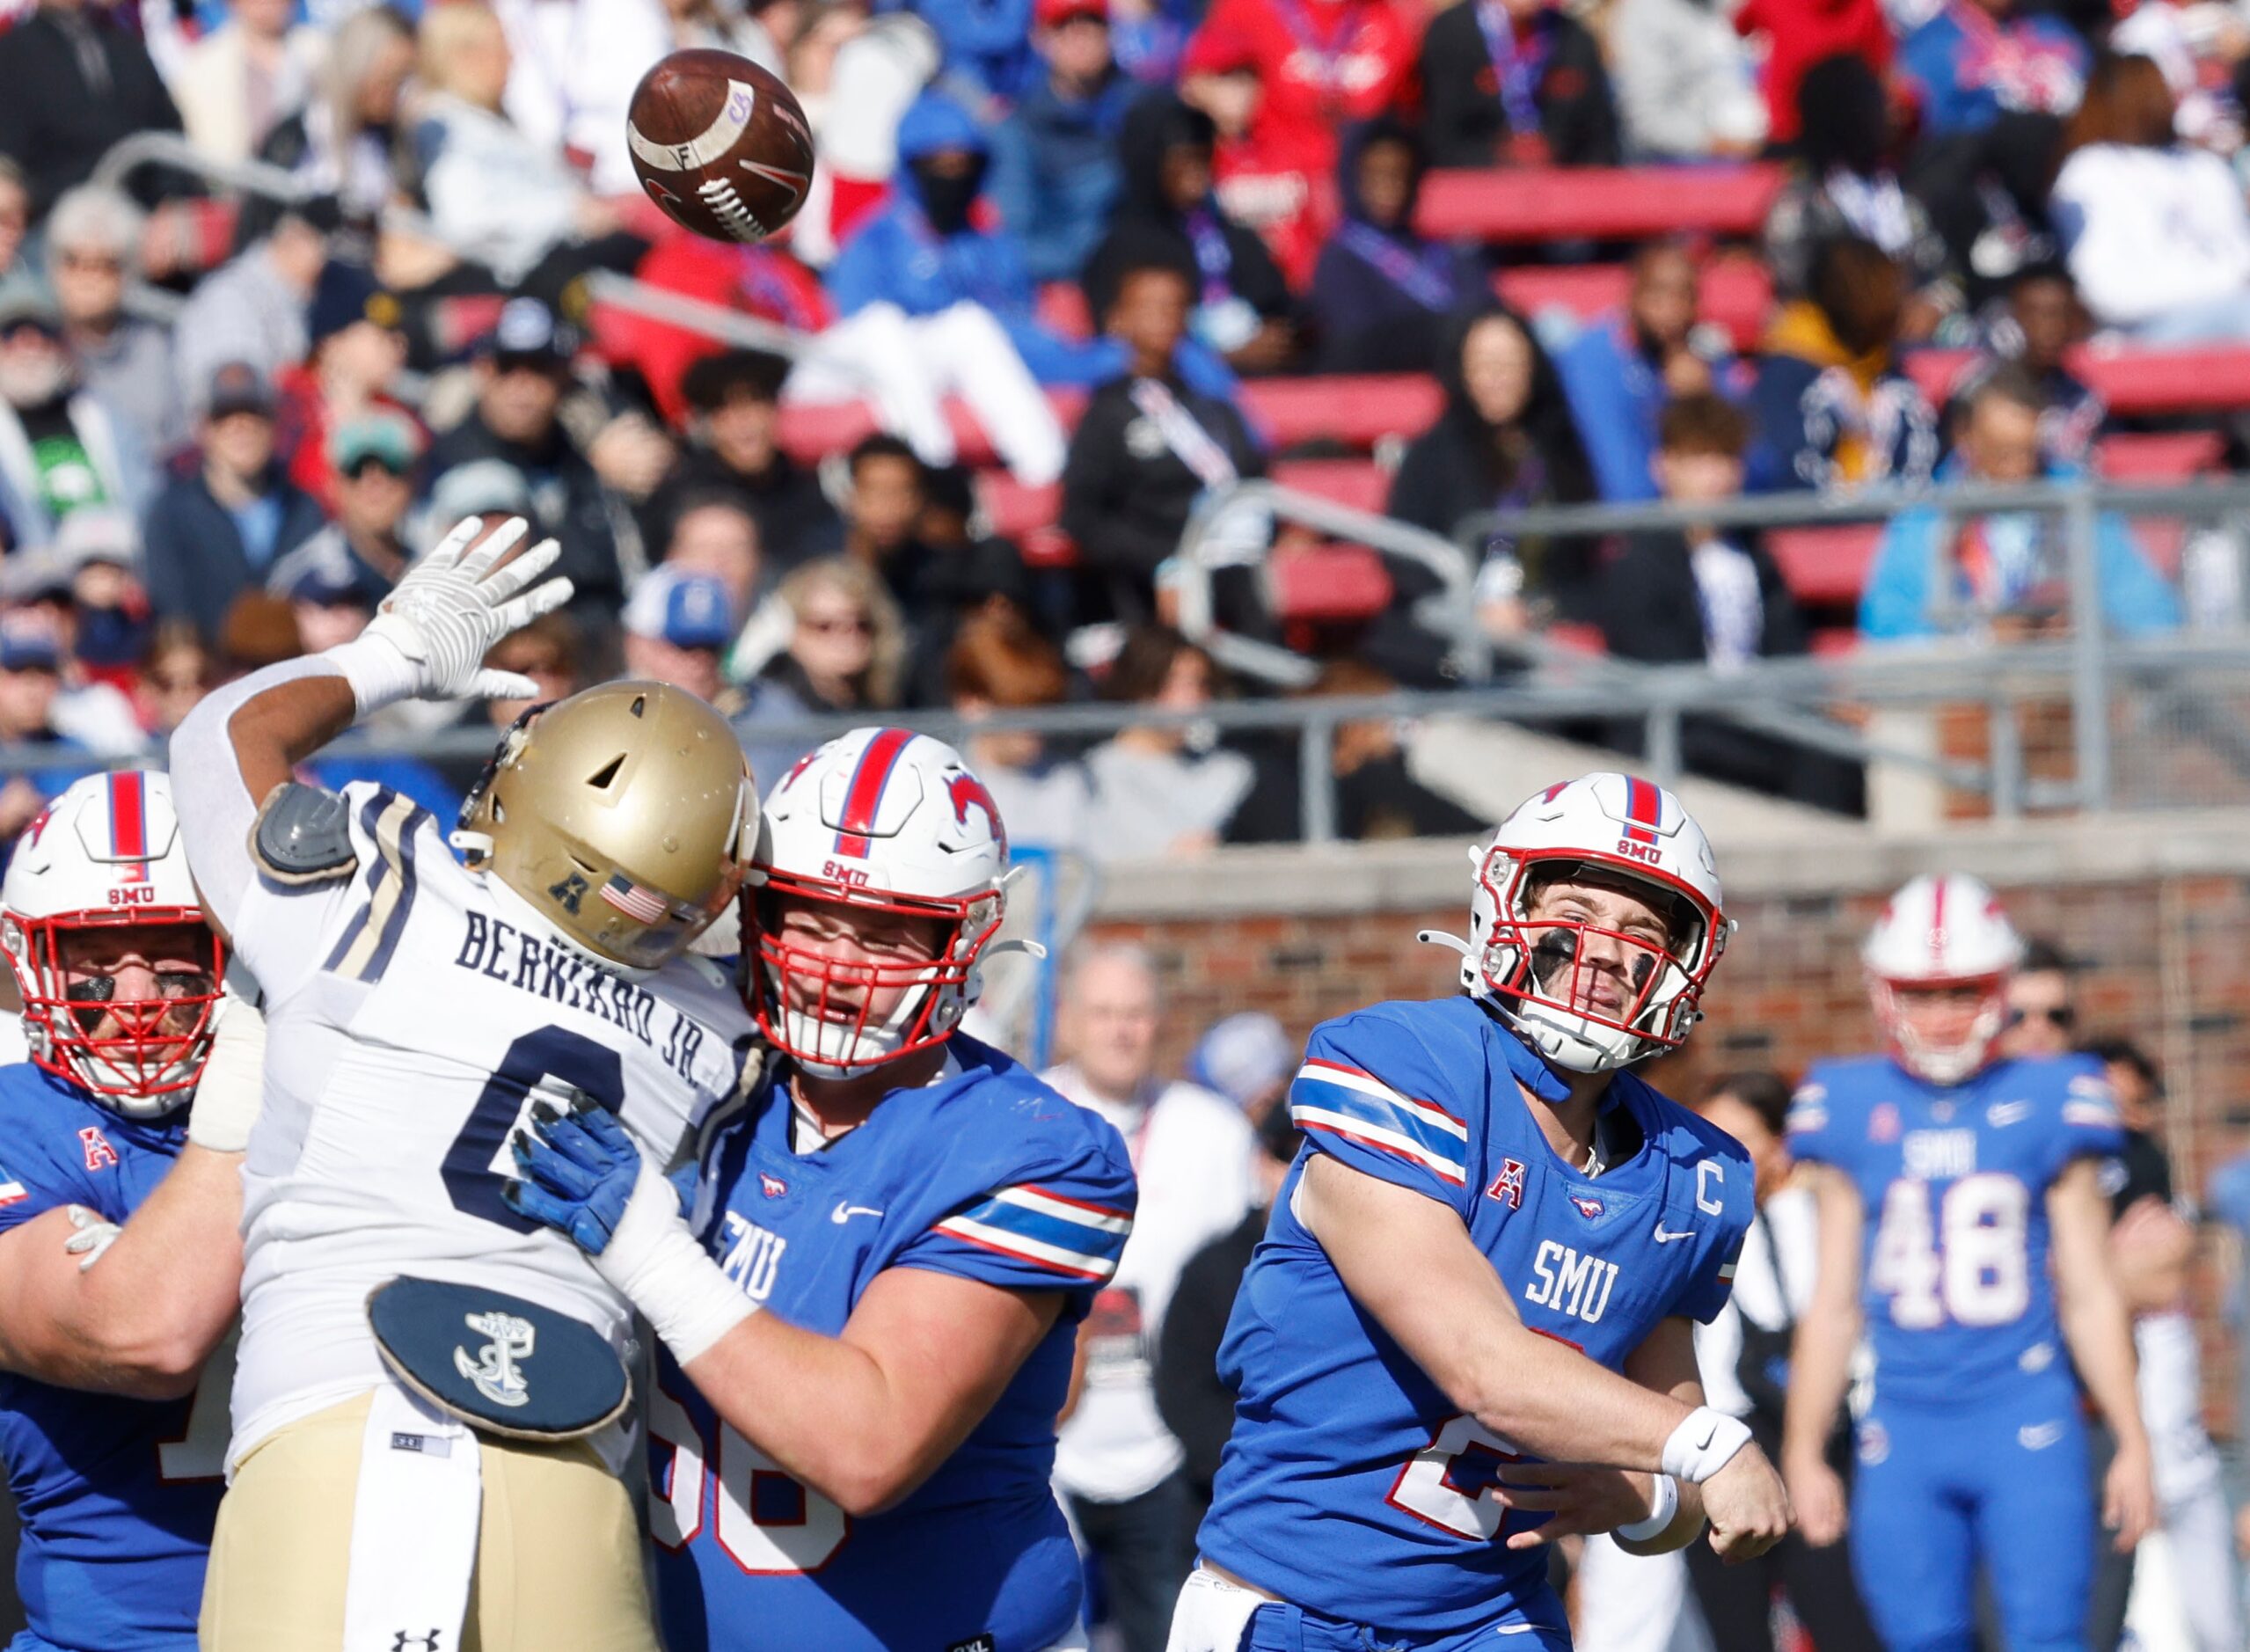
[[858, 626], [2062, 1015]]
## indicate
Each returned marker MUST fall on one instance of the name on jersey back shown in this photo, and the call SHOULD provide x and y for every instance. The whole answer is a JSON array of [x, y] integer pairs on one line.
[[501, 951]]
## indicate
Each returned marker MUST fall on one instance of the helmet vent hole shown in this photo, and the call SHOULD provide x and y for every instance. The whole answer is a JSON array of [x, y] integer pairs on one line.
[[606, 775], [639, 703]]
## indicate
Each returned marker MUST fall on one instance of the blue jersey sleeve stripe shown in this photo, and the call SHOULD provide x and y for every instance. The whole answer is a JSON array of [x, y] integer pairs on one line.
[[1063, 1225], [1361, 1082], [1309, 1117], [1023, 1248]]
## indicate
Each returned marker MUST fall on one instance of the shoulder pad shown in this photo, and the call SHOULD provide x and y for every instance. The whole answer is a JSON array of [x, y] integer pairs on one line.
[[304, 836]]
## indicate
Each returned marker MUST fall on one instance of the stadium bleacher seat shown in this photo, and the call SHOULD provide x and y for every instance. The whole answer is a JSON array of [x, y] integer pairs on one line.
[[1327, 584], [1737, 292], [1358, 483], [2137, 383], [2169, 456], [1599, 203], [1826, 565], [1356, 411]]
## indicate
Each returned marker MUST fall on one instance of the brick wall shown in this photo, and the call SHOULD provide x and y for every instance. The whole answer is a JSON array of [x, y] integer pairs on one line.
[[2166, 961]]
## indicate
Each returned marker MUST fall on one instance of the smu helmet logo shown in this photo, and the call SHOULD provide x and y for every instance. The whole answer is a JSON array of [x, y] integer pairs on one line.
[[1590, 1209], [966, 792]]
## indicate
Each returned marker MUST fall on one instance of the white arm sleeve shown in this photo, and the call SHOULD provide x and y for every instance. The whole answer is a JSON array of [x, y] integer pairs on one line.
[[216, 811]]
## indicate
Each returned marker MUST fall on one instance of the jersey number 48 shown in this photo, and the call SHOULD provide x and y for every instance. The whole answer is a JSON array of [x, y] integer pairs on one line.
[[1968, 1266]]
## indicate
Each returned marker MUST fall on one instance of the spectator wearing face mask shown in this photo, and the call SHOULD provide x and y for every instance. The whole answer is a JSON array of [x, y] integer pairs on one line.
[[62, 448], [1243, 311], [1056, 174], [966, 292], [216, 531], [93, 251], [1516, 81], [1381, 294]]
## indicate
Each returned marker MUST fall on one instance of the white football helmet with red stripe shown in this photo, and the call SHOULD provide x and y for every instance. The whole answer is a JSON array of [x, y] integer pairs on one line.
[[880, 821], [1623, 828], [105, 855], [1948, 931]]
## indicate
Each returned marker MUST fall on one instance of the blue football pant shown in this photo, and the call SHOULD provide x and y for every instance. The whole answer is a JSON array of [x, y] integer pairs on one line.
[[2006, 1482]]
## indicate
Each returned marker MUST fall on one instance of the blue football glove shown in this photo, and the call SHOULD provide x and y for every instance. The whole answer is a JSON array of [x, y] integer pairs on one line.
[[577, 1171]]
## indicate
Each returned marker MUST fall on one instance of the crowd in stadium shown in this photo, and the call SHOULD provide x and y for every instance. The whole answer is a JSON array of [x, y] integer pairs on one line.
[[1055, 252]]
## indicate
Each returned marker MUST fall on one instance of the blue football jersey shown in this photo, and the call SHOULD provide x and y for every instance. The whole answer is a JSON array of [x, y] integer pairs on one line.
[[1352, 1486], [1954, 1275], [985, 1173], [117, 1497]]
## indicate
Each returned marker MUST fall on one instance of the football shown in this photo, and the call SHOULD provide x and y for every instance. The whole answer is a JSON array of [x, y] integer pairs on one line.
[[721, 144]]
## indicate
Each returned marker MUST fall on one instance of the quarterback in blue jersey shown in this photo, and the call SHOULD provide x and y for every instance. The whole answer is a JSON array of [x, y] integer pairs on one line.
[[868, 1316], [1962, 1216], [119, 1262], [1480, 1281]]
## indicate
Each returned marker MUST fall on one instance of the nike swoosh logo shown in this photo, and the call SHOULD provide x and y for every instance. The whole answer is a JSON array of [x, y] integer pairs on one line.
[[2037, 1437], [1664, 1236], [2000, 1115], [844, 1212]]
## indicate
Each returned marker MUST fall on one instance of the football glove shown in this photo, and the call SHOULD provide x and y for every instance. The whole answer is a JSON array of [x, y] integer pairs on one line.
[[429, 637]]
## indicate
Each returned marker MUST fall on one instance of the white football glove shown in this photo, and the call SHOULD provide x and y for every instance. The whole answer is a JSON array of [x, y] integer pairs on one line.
[[232, 1089], [94, 1235], [429, 638]]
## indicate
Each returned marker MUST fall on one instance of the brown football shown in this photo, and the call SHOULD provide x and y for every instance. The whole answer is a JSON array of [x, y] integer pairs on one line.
[[721, 145]]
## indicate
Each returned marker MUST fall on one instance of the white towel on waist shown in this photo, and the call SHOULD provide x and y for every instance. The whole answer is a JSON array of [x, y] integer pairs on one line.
[[414, 1528]]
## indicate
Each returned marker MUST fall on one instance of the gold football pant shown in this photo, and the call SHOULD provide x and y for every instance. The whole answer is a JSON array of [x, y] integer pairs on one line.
[[559, 1557]]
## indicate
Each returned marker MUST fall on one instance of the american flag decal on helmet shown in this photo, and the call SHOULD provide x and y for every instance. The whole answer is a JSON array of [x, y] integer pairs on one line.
[[643, 906]]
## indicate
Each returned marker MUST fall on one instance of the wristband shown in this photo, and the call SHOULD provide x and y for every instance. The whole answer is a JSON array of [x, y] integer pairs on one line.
[[379, 673], [1663, 1504], [1703, 1445], [654, 1262]]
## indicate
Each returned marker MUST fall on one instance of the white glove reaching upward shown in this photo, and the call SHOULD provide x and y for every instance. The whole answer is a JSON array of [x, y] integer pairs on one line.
[[429, 638]]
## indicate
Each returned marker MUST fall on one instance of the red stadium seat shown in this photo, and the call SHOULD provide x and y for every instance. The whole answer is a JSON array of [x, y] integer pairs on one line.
[[2134, 382], [1017, 511], [2167, 457], [1601, 204], [1358, 412], [1328, 583], [1737, 292], [1825, 565], [1358, 483]]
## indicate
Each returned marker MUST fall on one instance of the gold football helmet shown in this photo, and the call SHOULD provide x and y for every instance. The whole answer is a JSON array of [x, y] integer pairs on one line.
[[624, 815]]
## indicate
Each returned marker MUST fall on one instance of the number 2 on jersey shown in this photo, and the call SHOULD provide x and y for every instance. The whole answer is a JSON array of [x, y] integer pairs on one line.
[[1970, 1266], [549, 1052], [1448, 1483], [770, 1523]]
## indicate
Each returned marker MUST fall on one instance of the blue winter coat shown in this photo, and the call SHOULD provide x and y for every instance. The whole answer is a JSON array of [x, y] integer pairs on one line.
[[1056, 173], [1906, 586]]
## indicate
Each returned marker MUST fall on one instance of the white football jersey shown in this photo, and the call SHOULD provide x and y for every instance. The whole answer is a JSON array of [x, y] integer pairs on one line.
[[414, 1013]]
